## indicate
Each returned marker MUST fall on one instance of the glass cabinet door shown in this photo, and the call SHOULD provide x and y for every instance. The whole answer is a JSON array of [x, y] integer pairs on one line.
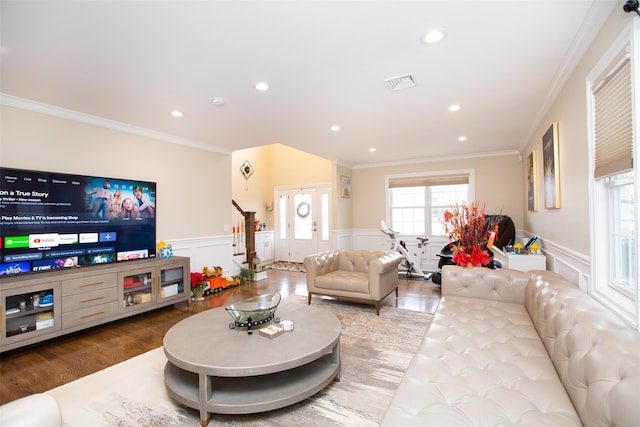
[[172, 281], [30, 311], [136, 289]]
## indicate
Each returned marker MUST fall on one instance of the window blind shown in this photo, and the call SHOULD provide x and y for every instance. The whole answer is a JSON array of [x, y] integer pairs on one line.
[[613, 120], [428, 181]]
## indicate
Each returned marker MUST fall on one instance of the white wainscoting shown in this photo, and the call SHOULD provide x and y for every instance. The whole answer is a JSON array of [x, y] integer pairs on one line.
[[207, 251], [218, 251], [342, 239], [573, 266]]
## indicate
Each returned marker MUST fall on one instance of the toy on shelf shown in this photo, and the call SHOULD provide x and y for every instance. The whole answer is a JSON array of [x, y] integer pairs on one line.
[[217, 282], [164, 249]]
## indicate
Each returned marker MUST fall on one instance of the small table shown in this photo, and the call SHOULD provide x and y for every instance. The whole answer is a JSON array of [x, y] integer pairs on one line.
[[522, 262], [220, 370]]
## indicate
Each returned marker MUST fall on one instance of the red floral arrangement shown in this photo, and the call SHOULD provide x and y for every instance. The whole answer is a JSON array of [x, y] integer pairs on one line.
[[465, 226], [198, 281]]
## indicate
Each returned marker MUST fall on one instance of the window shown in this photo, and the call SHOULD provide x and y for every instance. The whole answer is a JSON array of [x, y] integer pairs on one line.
[[442, 198], [622, 242], [408, 210], [613, 185], [324, 216], [416, 203], [303, 229]]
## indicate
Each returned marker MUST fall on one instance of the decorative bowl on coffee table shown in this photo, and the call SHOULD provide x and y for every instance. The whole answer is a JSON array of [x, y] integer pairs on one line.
[[254, 311]]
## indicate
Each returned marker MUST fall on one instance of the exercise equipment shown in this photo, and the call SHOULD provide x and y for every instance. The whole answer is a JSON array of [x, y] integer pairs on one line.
[[410, 261]]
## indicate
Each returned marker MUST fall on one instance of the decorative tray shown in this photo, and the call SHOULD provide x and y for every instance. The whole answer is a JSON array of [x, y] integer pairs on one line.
[[254, 311]]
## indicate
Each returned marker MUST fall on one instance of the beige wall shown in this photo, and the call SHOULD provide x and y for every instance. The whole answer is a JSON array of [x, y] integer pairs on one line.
[[194, 184], [278, 165], [343, 212], [255, 193], [498, 184], [569, 226], [274, 165], [191, 183]]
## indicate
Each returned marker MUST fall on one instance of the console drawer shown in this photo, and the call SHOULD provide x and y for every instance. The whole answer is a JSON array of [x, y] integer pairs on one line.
[[89, 283], [85, 316], [89, 299]]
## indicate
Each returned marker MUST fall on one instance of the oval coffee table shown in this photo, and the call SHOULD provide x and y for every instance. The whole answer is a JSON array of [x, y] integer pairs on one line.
[[219, 370]]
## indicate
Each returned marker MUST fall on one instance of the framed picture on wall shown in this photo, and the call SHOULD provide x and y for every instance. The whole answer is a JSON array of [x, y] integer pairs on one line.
[[551, 170], [345, 186], [246, 169], [532, 199]]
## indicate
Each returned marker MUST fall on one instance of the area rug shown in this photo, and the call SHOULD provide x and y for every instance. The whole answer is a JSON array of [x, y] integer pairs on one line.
[[287, 266], [375, 352]]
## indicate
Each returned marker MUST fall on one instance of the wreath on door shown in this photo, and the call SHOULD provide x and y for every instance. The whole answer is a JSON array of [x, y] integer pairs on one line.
[[303, 210]]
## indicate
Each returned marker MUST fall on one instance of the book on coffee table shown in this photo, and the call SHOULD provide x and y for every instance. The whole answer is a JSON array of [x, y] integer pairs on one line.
[[271, 331]]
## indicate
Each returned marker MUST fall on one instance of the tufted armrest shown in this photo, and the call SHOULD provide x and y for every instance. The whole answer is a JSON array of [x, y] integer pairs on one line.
[[478, 282], [596, 355], [383, 273], [384, 262], [34, 410]]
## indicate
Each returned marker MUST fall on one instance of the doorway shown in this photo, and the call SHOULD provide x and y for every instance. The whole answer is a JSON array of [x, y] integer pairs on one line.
[[302, 222]]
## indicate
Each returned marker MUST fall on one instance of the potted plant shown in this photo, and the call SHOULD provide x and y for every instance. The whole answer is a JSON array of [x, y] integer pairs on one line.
[[198, 284], [246, 275], [465, 226]]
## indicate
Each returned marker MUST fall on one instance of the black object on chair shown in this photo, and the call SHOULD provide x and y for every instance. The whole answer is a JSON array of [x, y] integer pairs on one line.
[[506, 235]]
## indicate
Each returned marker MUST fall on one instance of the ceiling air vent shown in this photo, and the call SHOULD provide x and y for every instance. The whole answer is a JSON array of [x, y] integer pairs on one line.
[[401, 82]]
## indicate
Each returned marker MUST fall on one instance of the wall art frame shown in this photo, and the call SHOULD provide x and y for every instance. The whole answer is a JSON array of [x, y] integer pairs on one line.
[[532, 196], [345, 186], [551, 160], [246, 169]]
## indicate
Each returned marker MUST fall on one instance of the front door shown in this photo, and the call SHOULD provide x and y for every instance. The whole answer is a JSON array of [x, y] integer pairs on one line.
[[302, 226]]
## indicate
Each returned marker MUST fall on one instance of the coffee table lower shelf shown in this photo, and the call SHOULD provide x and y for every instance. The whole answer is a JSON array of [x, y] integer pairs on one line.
[[246, 395]]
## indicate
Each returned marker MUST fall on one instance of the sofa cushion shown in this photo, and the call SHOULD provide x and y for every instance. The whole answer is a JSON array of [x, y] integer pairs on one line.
[[481, 363], [350, 281]]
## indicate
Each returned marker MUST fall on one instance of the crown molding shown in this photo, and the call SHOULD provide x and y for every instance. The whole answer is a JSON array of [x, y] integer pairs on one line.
[[599, 12], [52, 110], [440, 159]]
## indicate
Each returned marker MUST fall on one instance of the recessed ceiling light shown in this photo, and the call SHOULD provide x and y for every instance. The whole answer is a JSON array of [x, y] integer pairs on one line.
[[218, 101], [462, 138], [262, 86], [177, 113], [372, 150], [454, 107], [335, 128], [434, 36]]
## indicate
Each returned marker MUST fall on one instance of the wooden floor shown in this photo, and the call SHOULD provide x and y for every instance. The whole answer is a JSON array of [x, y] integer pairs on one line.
[[55, 362]]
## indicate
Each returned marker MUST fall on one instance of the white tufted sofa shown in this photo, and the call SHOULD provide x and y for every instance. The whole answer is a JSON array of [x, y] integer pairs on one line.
[[356, 275], [509, 348]]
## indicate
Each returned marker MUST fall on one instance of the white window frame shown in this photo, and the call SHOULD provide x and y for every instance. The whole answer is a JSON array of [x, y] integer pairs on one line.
[[427, 175], [625, 304]]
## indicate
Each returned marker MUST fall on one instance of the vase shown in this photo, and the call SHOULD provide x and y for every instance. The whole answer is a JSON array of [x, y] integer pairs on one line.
[[197, 294]]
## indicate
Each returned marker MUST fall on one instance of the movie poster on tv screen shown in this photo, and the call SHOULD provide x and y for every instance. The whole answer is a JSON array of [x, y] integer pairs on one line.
[[50, 221]]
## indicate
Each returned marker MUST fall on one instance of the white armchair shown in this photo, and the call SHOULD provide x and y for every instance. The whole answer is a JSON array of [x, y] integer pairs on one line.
[[355, 275]]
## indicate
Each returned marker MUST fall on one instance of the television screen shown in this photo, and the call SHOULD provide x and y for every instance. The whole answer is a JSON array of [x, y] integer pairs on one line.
[[51, 221]]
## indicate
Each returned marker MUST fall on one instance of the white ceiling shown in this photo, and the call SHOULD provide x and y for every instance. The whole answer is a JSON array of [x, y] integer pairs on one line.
[[135, 62]]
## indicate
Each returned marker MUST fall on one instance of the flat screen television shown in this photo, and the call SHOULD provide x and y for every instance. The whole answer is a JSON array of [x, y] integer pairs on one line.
[[51, 221]]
